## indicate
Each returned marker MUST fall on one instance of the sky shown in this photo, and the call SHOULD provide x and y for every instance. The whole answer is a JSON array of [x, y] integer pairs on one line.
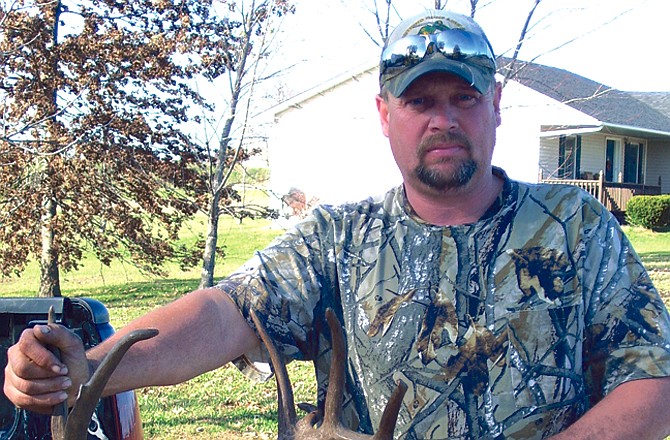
[[620, 43]]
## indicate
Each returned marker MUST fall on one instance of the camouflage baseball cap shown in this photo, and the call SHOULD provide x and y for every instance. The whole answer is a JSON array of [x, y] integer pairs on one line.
[[436, 41]]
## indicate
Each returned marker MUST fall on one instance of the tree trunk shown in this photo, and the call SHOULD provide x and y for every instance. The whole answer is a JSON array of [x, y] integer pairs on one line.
[[209, 255], [49, 275]]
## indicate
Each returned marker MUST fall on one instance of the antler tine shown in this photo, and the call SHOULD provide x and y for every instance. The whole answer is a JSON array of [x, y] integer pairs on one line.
[[286, 410], [59, 416], [390, 414], [334, 396], [77, 423], [331, 427]]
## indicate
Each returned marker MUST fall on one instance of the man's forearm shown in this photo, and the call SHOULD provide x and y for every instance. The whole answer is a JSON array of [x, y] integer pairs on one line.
[[639, 409], [199, 332]]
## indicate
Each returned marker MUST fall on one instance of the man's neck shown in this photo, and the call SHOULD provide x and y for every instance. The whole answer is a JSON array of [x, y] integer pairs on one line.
[[457, 206]]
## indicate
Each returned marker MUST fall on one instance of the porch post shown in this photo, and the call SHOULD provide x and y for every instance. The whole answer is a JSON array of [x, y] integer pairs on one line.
[[601, 187]]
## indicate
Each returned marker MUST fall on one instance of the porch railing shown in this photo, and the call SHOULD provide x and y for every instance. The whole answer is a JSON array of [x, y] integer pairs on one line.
[[614, 196]]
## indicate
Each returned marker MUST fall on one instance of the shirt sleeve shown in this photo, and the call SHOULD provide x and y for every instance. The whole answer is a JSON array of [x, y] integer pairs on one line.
[[627, 327], [284, 284]]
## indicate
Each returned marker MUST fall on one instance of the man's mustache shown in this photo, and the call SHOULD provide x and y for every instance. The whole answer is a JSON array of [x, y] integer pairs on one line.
[[434, 140]]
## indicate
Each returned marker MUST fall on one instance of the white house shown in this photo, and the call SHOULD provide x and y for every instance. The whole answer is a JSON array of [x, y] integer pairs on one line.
[[327, 142]]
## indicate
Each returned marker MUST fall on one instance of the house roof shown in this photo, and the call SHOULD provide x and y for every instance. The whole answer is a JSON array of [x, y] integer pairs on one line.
[[658, 100], [297, 100], [645, 114], [619, 111]]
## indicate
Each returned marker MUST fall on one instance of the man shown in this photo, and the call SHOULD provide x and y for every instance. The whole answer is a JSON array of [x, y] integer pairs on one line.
[[510, 310]]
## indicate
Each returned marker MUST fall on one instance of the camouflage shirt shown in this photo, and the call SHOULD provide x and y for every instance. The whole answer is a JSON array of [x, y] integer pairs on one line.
[[510, 327]]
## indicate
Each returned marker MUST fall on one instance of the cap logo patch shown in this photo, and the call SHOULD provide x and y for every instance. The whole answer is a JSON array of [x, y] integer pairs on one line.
[[433, 28]]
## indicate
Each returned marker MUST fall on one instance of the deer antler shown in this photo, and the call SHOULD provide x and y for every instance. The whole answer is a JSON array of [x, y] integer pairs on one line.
[[286, 414], [75, 426], [331, 428]]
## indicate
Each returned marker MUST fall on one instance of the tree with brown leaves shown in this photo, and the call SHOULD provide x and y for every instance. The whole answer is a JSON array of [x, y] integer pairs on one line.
[[94, 98]]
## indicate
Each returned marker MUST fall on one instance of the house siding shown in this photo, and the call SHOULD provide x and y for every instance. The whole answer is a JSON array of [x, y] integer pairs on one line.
[[523, 112], [593, 154], [658, 158], [548, 158]]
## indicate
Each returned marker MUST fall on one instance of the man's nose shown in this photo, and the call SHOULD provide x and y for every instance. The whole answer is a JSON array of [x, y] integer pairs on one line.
[[443, 118]]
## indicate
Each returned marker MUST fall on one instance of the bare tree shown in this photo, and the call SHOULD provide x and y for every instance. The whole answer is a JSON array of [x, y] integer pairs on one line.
[[383, 12], [253, 34], [512, 67], [510, 70]]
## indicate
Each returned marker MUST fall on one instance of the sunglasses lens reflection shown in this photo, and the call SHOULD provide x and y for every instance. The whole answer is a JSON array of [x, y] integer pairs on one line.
[[453, 43]]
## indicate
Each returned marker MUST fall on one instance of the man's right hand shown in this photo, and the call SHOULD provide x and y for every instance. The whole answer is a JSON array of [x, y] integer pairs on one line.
[[35, 379]]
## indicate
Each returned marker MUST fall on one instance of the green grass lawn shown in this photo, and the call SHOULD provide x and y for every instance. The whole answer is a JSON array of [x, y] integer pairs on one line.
[[654, 250], [223, 404]]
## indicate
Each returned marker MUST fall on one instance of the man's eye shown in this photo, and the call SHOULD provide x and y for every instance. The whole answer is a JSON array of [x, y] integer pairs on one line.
[[416, 102], [466, 100]]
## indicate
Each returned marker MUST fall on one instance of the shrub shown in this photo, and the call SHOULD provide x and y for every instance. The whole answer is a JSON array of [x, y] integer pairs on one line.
[[651, 212]]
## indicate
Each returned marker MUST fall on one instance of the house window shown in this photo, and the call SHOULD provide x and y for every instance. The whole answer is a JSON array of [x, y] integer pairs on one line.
[[633, 162], [569, 156]]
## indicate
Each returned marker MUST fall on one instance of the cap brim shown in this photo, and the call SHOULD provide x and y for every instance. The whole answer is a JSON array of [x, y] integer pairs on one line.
[[475, 76]]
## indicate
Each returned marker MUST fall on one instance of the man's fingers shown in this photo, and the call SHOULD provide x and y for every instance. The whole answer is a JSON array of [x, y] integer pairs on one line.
[[39, 388], [35, 379], [37, 395], [23, 367], [42, 404], [31, 359], [59, 337]]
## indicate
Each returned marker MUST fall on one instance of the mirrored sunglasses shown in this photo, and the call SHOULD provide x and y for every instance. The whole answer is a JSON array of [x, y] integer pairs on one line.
[[455, 44]]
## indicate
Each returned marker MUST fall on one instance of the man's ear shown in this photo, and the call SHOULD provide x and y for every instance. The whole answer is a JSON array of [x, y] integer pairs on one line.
[[383, 109], [497, 94]]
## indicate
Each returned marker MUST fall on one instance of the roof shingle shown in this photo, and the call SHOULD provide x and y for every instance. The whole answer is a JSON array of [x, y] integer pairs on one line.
[[608, 105]]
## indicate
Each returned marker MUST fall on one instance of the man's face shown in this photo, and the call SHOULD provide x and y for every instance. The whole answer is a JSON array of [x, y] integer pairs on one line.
[[441, 131]]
